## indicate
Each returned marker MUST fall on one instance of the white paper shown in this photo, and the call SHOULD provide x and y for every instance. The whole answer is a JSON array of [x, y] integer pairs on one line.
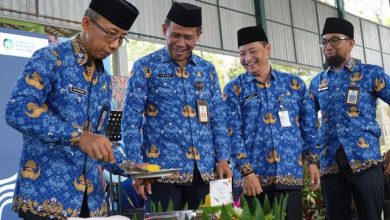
[[221, 192]]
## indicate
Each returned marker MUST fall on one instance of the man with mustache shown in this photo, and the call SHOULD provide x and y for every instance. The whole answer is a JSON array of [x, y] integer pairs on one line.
[[346, 94], [174, 115], [61, 105], [272, 126]]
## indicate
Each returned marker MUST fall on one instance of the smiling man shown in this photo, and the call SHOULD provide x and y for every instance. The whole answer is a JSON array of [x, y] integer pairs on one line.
[[271, 124], [61, 105], [174, 115], [346, 94]]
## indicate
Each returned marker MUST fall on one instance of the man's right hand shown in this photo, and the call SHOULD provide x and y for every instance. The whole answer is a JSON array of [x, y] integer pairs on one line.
[[143, 186], [97, 147], [251, 185]]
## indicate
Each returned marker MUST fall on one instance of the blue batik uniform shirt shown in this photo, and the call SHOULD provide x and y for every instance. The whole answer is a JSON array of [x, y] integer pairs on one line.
[[160, 122], [259, 142], [54, 100], [351, 126]]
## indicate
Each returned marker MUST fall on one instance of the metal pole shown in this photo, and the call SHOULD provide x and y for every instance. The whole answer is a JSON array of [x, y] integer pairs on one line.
[[260, 14]]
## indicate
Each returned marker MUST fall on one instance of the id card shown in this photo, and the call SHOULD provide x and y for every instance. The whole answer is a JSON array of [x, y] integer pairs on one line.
[[352, 95], [203, 111], [102, 118], [284, 118]]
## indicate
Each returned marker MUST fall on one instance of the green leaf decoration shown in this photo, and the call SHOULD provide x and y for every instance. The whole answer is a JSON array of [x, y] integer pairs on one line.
[[153, 207], [170, 206], [246, 213], [135, 216], [284, 207], [243, 201], [258, 213], [225, 213], [159, 207], [266, 206], [205, 216], [276, 209], [186, 206], [186, 218]]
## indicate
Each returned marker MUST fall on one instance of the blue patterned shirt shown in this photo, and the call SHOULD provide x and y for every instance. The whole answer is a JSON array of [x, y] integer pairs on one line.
[[352, 126], [259, 141], [54, 100], [160, 122]]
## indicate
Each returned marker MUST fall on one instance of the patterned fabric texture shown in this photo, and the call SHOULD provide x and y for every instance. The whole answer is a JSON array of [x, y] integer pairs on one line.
[[160, 122], [352, 126], [57, 97], [259, 141]]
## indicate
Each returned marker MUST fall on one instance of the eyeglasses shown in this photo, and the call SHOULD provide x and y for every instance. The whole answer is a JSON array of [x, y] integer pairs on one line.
[[334, 41], [109, 36]]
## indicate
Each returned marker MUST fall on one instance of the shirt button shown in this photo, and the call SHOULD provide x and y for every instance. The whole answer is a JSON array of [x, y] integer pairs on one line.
[[338, 125], [62, 91], [337, 89], [174, 91], [162, 131], [170, 124], [165, 84]]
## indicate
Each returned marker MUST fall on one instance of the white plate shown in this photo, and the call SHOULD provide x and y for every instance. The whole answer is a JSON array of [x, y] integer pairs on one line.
[[155, 174]]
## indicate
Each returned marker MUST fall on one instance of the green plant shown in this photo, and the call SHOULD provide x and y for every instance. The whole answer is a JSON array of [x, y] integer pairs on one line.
[[257, 212], [312, 202]]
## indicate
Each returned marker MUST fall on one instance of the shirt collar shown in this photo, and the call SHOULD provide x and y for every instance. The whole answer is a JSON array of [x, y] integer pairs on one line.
[[167, 58], [348, 66], [248, 77], [81, 53]]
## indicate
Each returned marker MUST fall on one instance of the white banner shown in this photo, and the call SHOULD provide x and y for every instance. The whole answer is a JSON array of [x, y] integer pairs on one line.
[[20, 46]]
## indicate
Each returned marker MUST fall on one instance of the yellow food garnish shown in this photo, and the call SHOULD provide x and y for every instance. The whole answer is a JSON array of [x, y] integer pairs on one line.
[[207, 202], [152, 167]]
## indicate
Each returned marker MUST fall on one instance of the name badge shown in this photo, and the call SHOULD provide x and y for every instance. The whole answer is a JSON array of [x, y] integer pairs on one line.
[[352, 95], [203, 111], [284, 118], [164, 75], [322, 89], [78, 90], [101, 119], [254, 95]]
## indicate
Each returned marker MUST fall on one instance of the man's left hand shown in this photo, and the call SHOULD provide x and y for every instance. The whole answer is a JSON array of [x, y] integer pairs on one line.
[[223, 170], [314, 176], [387, 163]]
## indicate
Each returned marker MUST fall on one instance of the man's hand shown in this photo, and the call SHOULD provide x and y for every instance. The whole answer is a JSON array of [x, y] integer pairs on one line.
[[251, 185], [97, 147], [142, 185], [223, 170], [314, 176], [387, 163]]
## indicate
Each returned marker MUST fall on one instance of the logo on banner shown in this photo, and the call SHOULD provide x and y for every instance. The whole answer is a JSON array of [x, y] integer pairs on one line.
[[7, 187]]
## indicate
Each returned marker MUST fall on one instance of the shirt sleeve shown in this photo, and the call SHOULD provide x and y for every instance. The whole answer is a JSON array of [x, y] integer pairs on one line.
[[218, 121], [307, 122], [381, 84], [133, 109], [27, 110], [239, 152]]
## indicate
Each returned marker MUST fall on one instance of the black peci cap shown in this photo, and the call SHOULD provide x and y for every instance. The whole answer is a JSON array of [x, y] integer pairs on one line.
[[338, 25], [251, 34], [119, 12], [185, 14]]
